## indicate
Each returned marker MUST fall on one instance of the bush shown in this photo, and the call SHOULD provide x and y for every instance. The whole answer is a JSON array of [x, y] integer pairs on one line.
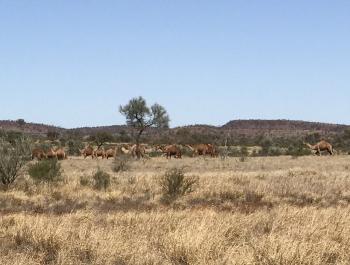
[[270, 151], [296, 151], [74, 147], [102, 180], [121, 163], [11, 137], [174, 183], [243, 154], [242, 159], [45, 171], [85, 181], [14, 155], [233, 151]]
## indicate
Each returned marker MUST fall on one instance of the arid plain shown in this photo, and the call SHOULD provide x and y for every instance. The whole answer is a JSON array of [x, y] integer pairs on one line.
[[265, 210]]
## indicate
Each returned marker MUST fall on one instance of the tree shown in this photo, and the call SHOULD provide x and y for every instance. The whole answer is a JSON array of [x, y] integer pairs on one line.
[[21, 122], [52, 135], [101, 137], [139, 116]]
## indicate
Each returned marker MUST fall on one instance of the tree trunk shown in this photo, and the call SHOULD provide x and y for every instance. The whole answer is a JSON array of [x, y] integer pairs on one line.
[[138, 137]]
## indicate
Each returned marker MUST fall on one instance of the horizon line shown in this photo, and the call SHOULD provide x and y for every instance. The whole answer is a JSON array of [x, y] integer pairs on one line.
[[179, 126]]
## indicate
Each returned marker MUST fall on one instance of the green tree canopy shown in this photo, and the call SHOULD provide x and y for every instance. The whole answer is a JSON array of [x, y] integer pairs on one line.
[[139, 116]]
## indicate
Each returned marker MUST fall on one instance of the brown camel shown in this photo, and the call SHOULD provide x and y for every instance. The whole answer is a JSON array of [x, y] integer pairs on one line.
[[51, 154], [100, 152], [202, 149], [171, 150], [87, 151], [321, 146], [60, 154], [125, 149], [138, 151], [111, 152], [212, 150], [38, 153]]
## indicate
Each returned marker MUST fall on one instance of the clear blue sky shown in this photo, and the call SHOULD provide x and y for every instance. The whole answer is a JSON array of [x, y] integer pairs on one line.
[[72, 63]]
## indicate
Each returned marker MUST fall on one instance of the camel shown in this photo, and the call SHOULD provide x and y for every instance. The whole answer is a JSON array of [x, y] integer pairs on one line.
[[111, 152], [125, 150], [171, 150], [38, 153], [202, 149], [133, 150], [60, 154], [87, 151], [138, 151], [212, 150], [100, 152], [51, 154], [321, 146]]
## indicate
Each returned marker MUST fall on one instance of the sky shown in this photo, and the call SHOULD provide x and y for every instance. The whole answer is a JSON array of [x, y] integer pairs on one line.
[[72, 63]]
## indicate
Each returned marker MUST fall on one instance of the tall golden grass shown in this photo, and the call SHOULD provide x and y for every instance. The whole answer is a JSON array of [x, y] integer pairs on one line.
[[262, 211]]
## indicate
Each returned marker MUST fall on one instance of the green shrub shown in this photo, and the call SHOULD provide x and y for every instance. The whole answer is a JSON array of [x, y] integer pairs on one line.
[[243, 154], [186, 152], [45, 171], [233, 151], [85, 181], [14, 154], [154, 154], [270, 151], [174, 183], [102, 180], [12, 136], [74, 147], [296, 151], [242, 159]]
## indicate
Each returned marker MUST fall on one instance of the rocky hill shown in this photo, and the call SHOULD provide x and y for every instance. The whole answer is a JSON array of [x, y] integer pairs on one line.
[[234, 127], [28, 127]]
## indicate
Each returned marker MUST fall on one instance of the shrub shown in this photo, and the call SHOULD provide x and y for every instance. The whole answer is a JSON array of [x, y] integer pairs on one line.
[[74, 147], [244, 151], [252, 196], [270, 151], [186, 152], [45, 171], [85, 181], [154, 154], [121, 163], [296, 151], [102, 180], [174, 183], [234, 151], [243, 154], [242, 158], [14, 155]]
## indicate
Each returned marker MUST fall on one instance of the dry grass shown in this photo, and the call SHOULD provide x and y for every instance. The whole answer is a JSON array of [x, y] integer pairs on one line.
[[262, 211]]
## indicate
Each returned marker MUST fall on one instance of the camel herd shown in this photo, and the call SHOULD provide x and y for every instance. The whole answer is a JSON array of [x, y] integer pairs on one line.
[[142, 150], [136, 151], [57, 153]]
